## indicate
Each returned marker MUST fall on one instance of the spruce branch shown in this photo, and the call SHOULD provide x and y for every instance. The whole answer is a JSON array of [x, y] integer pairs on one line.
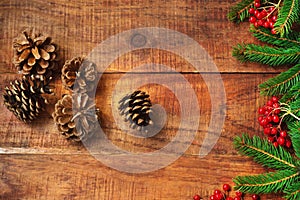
[[288, 14], [282, 83], [266, 55], [295, 109], [265, 35], [266, 183], [294, 133], [292, 94], [239, 12], [263, 153], [292, 191]]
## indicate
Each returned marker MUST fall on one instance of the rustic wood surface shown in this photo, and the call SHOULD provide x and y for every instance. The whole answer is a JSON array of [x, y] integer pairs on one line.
[[37, 163]]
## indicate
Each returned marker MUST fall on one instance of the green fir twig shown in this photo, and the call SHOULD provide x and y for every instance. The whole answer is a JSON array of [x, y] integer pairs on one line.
[[264, 153], [293, 111], [239, 12], [266, 183], [269, 156], [293, 191], [287, 16], [282, 83], [265, 35], [292, 94], [266, 55], [294, 133]]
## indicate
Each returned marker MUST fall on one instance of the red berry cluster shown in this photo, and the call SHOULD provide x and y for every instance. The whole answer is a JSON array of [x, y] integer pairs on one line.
[[219, 195], [271, 123], [264, 17]]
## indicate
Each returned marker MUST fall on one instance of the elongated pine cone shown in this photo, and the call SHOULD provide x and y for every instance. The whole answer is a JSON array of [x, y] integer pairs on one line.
[[85, 77], [136, 108], [34, 54], [66, 116], [24, 97]]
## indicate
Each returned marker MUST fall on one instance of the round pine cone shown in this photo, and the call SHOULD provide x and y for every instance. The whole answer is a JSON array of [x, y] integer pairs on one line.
[[24, 97], [136, 108], [85, 78], [81, 113], [34, 54]]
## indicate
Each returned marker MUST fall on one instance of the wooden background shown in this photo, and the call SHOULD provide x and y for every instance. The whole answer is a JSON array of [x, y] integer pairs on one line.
[[37, 163]]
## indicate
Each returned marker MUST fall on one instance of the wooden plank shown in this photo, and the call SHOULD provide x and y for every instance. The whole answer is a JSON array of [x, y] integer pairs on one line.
[[80, 26], [242, 102], [83, 177]]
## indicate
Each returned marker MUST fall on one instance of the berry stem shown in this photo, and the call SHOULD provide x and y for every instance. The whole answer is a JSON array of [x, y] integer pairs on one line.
[[288, 111], [276, 7]]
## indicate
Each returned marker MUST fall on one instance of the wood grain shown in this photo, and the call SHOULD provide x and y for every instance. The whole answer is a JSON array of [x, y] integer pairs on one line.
[[37, 163]]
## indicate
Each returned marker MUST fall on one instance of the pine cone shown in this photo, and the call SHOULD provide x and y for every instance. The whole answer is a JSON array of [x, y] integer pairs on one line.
[[81, 114], [24, 97], [35, 54], [136, 108], [85, 78]]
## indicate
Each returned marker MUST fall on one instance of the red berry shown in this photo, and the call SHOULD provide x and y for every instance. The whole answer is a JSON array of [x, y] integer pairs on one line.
[[229, 198], [264, 13], [267, 131], [266, 24], [263, 122], [237, 198], [256, 24], [256, 12], [271, 139], [213, 197], [270, 108], [259, 16], [196, 197], [255, 197], [257, 1], [260, 118], [276, 105], [275, 118], [226, 187], [274, 18], [273, 31], [257, 5], [275, 144], [261, 110], [269, 118], [271, 24], [217, 192], [277, 111], [274, 131], [271, 9], [288, 143], [275, 99], [219, 196], [238, 193], [283, 134], [251, 10], [252, 19], [260, 22], [281, 141], [267, 112], [270, 103]]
